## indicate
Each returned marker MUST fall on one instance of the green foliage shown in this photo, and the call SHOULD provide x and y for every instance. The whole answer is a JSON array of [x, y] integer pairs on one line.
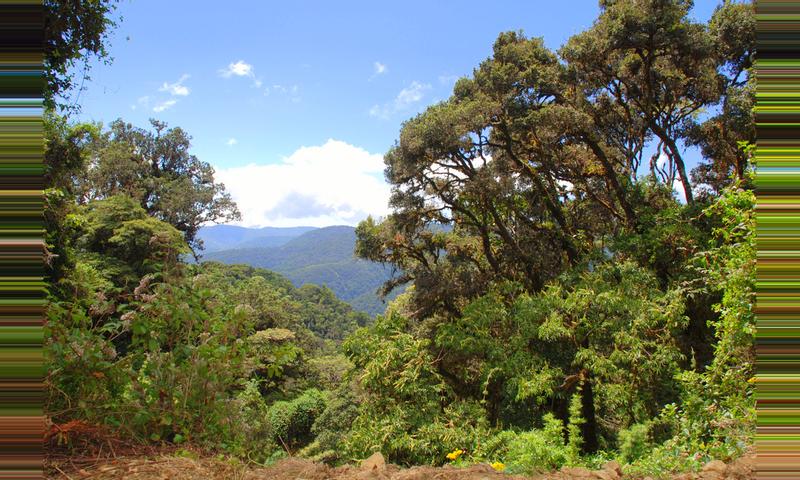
[[634, 442], [254, 434], [156, 169], [117, 235], [291, 421], [333, 424], [407, 411], [541, 449], [330, 318], [410, 438], [715, 414], [576, 422]]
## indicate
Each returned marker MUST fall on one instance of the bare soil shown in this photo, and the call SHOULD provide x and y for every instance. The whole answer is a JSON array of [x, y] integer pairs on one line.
[[175, 467], [97, 454]]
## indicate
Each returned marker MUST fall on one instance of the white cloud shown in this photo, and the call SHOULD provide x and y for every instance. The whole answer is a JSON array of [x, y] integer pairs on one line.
[[239, 69], [177, 88], [160, 107], [231, 142], [379, 69], [662, 160], [331, 184], [407, 97], [411, 94], [677, 186]]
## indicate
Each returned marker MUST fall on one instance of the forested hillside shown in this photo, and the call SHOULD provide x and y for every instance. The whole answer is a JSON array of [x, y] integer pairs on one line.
[[576, 293], [321, 256]]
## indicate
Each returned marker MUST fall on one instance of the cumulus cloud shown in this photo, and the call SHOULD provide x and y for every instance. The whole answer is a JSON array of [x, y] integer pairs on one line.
[[300, 205], [407, 97], [160, 107], [177, 88], [662, 160], [239, 69], [231, 142], [332, 184]]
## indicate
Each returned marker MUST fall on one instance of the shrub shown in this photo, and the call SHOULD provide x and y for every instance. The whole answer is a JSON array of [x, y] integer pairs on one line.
[[634, 442], [539, 450], [331, 426], [291, 421]]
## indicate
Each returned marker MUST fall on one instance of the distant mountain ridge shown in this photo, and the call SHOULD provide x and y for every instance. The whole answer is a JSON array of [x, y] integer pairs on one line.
[[322, 256], [228, 237]]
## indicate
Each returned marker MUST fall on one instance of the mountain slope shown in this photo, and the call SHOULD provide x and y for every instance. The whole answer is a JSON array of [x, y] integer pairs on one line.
[[321, 256]]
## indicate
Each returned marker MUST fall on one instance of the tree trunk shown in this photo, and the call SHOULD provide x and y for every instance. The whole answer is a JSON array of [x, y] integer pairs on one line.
[[589, 428], [676, 157]]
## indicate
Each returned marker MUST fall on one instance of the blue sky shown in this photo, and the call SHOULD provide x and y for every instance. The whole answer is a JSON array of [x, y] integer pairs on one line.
[[277, 92]]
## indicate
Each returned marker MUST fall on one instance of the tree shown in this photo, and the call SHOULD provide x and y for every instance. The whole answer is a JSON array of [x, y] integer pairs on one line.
[[64, 157], [719, 137], [533, 164], [513, 198], [654, 63], [127, 243], [515, 168], [74, 31], [620, 330], [156, 169]]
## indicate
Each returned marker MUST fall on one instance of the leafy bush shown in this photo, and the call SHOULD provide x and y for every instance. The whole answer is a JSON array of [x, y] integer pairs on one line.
[[408, 437], [539, 450], [291, 421], [332, 425], [634, 442]]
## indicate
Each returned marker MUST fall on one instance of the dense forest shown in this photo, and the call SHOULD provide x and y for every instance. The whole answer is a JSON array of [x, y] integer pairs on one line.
[[564, 304]]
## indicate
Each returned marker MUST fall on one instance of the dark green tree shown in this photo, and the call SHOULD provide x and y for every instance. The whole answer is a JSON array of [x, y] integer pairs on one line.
[[156, 168]]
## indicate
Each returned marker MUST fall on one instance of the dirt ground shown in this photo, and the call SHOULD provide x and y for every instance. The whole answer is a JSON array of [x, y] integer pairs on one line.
[[174, 467]]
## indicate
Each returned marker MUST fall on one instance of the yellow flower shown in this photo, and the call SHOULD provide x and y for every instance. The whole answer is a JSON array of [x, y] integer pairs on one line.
[[455, 454], [499, 466]]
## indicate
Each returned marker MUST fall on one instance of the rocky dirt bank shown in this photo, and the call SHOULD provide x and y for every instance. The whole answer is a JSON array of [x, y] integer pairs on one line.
[[169, 467]]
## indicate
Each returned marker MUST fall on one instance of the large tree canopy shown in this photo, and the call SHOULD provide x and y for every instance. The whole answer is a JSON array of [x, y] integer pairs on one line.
[[538, 159], [155, 168]]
